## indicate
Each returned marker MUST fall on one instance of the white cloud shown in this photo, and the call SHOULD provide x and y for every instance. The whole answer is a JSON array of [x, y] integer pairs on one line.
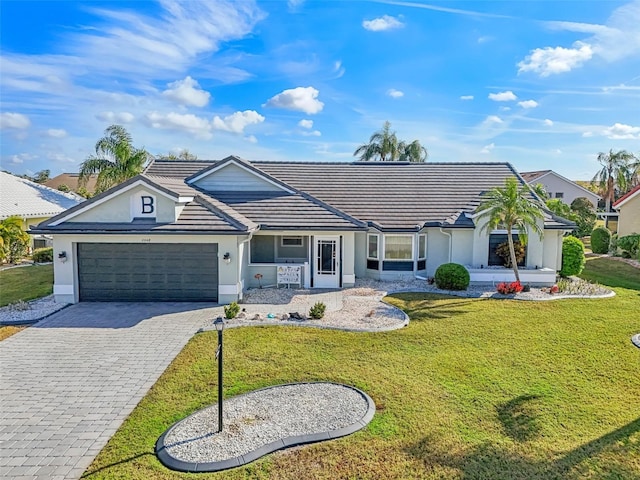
[[251, 139], [236, 122], [187, 92], [197, 126], [505, 109], [487, 148], [507, 96], [313, 133], [122, 117], [302, 99], [549, 61], [492, 120], [14, 120], [56, 133], [620, 131], [393, 93], [484, 39], [305, 123], [338, 69], [466, 97], [21, 157], [548, 122], [294, 4], [386, 22], [587, 134], [528, 104]]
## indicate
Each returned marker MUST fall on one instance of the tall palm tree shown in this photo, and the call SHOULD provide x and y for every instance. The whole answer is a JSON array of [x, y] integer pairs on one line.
[[510, 207], [382, 146], [14, 241], [115, 161], [612, 174]]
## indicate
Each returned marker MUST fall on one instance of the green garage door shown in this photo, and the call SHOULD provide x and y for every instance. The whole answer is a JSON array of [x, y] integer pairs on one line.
[[143, 272]]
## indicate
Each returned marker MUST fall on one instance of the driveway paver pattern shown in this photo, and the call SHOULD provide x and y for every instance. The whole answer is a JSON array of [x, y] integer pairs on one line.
[[68, 382]]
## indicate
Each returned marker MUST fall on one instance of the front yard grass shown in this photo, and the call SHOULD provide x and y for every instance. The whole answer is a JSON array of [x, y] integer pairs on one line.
[[471, 389], [25, 283]]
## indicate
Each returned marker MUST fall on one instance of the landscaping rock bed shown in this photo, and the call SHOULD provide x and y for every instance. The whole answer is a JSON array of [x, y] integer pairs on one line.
[[29, 312]]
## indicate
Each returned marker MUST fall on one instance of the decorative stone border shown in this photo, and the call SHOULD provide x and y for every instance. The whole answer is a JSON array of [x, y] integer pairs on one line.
[[165, 457]]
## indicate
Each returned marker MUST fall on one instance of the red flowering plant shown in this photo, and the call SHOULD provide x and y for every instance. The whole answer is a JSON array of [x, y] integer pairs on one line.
[[509, 288]]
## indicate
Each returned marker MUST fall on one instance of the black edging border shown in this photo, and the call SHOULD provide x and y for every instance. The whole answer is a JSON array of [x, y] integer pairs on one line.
[[193, 467]]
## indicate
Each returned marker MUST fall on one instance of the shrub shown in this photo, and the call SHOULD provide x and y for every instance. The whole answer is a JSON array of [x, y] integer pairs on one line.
[[317, 311], [572, 256], [507, 288], [600, 238], [42, 255], [231, 310], [630, 244], [502, 251], [452, 276]]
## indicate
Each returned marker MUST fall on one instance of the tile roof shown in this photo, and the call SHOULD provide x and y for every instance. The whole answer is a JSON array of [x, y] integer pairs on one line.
[[71, 181], [176, 168], [532, 176], [626, 196], [28, 199]]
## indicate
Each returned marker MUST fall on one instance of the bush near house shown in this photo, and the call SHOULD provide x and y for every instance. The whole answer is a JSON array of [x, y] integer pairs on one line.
[[509, 288], [573, 258], [452, 276], [600, 238], [231, 310], [43, 255], [317, 311], [630, 245], [502, 251]]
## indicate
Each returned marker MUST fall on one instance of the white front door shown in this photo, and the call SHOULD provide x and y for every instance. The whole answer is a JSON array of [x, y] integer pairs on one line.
[[326, 253]]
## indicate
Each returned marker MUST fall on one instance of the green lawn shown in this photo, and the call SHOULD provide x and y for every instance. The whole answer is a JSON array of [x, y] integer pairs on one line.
[[25, 283], [471, 389]]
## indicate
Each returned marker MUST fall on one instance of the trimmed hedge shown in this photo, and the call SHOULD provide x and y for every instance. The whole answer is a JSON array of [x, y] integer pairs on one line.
[[43, 255], [452, 276], [600, 238], [630, 244], [572, 256]]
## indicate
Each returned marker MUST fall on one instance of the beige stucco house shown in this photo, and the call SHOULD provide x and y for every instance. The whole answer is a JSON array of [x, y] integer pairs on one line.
[[209, 230], [628, 207]]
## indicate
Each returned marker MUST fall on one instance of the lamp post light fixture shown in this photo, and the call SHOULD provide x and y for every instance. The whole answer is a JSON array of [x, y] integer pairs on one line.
[[219, 324]]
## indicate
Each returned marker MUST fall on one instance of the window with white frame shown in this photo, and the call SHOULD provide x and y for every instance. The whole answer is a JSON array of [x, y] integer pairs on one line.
[[398, 247], [291, 241], [372, 246], [422, 247]]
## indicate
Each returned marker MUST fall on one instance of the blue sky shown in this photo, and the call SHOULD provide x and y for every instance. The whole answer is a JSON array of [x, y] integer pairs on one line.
[[543, 85]]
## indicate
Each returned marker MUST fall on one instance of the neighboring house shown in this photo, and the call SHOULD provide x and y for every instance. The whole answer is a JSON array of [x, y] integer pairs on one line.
[[32, 202], [203, 230], [628, 207], [71, 180], [560, 187]]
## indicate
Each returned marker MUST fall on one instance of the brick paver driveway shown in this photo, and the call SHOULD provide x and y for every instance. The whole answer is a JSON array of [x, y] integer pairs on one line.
[[68, 383]]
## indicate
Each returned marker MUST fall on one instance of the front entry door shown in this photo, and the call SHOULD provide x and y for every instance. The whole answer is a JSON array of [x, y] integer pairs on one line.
[[327, 262]]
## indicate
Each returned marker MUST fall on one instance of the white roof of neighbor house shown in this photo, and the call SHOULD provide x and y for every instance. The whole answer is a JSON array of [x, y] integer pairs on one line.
[[27, 199]]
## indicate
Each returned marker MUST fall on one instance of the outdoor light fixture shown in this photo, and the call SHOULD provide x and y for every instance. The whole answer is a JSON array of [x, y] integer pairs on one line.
[[219, 324], [227, 257], [62, 256]]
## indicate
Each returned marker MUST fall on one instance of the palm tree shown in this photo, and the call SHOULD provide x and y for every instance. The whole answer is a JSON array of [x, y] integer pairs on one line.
[[116, 160], [384, 146], [613, 174], [511, 207], [412, 152], [14, 241]]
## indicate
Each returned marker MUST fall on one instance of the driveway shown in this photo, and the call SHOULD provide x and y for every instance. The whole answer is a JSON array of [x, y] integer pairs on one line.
[[68, 382]]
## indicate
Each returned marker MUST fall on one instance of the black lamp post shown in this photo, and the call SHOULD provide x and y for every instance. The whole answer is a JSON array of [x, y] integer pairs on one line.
[[219, 324]]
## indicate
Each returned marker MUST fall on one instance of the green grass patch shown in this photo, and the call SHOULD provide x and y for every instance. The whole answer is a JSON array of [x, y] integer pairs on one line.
[[471, 389], [612, 273], [25, 283]]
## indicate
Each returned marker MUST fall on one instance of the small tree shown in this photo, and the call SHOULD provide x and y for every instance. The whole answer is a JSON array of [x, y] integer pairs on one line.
[[14, 241], [585, 216], [511, 207]]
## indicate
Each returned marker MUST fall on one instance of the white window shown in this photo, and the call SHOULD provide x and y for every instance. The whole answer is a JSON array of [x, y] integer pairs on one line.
[[372, 247], [291, 241], [422, 247], [398, 247]]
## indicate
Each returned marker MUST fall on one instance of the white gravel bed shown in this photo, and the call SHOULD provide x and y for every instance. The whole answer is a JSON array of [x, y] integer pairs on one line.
[[29, 312], [258, 418]]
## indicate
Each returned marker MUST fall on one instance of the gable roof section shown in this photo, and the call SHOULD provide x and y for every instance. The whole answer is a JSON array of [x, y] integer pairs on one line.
[[626, 197], [71, 180], [28, 199], [534, 176], [176, 168], [244, 165]]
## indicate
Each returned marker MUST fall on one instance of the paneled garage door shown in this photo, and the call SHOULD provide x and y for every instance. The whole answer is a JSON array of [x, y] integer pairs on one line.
[[141, 272]]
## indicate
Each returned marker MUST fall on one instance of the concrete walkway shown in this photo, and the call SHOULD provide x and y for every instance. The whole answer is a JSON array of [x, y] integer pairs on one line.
[[68, 382]]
